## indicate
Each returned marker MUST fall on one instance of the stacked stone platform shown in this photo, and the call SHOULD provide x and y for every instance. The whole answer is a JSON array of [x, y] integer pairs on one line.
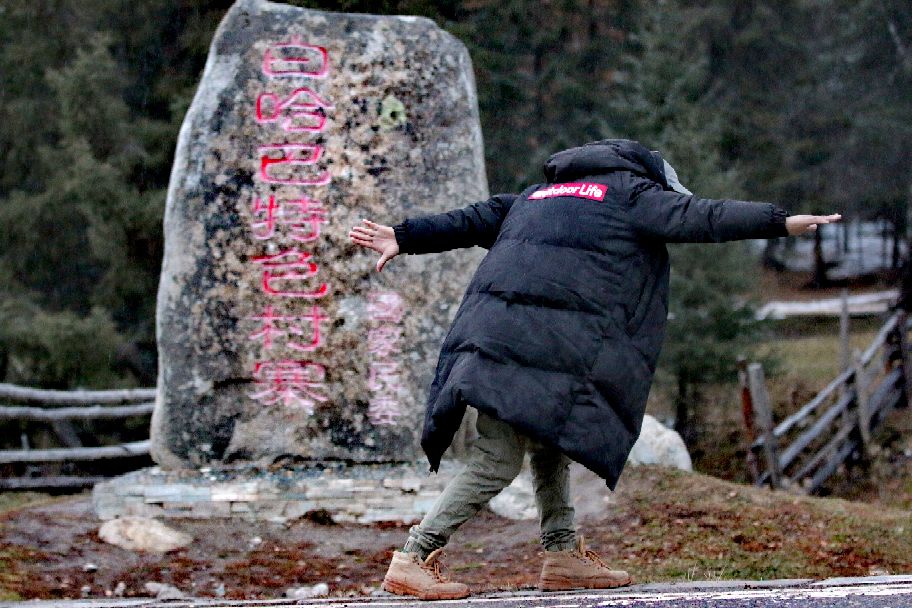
[[363, 494]]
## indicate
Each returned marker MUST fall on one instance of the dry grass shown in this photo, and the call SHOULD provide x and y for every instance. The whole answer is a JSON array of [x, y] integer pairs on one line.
[[10, 501], [814, 359], [695, 526]]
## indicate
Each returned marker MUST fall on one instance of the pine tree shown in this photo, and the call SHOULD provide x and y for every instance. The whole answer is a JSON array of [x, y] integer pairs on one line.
[[669, 103]]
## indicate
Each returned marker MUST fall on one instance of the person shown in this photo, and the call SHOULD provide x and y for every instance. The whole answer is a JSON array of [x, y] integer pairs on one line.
[[556, 339]]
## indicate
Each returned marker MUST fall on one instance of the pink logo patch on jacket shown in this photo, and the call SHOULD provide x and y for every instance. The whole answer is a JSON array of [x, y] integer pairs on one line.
[[593, 192]]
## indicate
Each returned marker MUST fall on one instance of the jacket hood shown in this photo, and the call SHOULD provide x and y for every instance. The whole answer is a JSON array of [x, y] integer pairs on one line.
[[605, 156]]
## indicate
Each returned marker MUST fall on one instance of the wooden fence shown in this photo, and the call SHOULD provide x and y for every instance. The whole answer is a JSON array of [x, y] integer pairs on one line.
[[59, 409], [802, 451]]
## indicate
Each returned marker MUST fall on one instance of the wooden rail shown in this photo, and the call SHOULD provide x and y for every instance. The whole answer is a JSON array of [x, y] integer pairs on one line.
[[22, 394], [136, 448], [59, 409], [75, 413], [809, 445]]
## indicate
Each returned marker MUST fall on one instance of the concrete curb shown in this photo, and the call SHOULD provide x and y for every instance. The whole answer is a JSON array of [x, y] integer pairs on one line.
[[387, 598]]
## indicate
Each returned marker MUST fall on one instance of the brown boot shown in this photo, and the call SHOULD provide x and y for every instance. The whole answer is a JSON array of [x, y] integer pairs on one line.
[[579, 569], [408, 575]]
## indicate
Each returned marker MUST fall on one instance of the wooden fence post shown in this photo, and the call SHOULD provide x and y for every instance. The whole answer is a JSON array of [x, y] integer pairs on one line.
[[747, 414], [845, 355], [764, 417], [862, 400], [904, 361]]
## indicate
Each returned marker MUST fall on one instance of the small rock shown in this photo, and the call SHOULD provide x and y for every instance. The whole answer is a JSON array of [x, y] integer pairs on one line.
[[85, 590], [220, 590], [877, 571], [320, 590], [108, 593], [302, 593], [90, 568], [142, 534], [120, 588], [163, 591]]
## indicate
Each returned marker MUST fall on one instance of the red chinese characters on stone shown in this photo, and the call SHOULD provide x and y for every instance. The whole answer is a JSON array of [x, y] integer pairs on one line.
[[385, 385], [384, 411], [283, 274], [292, 164], [383, 341], [303, 216], [385, 306], [295, 58], [290, 216], [303, 110], [294, 384], [386, 310], [290, 327]]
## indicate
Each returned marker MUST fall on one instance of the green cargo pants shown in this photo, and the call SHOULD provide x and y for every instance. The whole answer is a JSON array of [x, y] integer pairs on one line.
[[495, 460]]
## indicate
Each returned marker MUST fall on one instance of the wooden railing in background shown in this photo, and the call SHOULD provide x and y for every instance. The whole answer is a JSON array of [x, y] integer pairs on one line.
[[802, 451], [59, 409]]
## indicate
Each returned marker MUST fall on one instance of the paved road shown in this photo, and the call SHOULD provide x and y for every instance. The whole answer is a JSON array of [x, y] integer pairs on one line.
[[870, 592]]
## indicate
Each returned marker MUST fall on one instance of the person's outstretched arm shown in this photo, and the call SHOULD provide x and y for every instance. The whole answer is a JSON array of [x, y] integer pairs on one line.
[[682, 218], [477, 224]]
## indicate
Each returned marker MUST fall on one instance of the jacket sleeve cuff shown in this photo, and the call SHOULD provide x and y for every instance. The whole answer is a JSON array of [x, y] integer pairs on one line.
[[777, 222], [402, 236]]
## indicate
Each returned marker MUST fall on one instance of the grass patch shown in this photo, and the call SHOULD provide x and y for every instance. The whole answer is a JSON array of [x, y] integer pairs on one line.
[[699, 527], [10, 501], [812, 359]]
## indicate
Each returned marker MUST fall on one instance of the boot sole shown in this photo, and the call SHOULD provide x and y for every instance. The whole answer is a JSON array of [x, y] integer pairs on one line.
[[564, 585], [403, 589]]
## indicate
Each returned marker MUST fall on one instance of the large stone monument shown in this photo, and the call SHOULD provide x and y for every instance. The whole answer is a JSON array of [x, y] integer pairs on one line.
[[278, 341], [292, 375]]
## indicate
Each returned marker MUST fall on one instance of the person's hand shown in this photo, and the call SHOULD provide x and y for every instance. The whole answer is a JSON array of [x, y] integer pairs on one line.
[[377, 237], [799, 224]]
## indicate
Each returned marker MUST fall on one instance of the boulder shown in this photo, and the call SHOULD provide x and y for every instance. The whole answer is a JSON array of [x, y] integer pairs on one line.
[[658, 444], [516, 501], [142, 534], [278, 342]]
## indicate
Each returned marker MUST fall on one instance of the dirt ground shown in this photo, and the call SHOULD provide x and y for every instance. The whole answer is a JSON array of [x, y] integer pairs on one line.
[[659, 525]]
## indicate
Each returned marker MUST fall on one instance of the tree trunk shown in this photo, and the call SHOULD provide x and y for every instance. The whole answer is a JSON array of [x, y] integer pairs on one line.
[[682, 406], [820, 270], [769, 256], [845, 237]]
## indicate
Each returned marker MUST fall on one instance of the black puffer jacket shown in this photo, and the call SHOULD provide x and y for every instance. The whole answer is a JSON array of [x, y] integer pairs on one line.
[[562, 323]]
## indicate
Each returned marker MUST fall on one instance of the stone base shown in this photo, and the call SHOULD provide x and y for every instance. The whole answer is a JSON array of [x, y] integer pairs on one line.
[[363, 493]]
